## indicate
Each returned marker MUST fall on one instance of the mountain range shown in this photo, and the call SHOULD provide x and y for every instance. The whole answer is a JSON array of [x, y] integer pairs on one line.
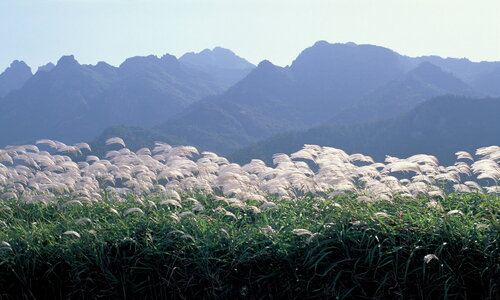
[[333, 84], [218, 101], [73, 102], [440, 127]]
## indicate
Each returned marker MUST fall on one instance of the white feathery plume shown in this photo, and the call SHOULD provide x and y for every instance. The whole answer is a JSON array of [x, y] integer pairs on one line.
[[225, 212], [464, 155], [115, 140], [473, 186], [429, 257], [133, 210], [268, 205], [187, 237], [268, 230], [83, 221], [72, 233], [381, 214], [82, 146], [185, 214], [5, 244], [171, 202], [126, 173], [301, 231], [493, 189], [72, 202], [361, 158], [488, 151], [47, 142]]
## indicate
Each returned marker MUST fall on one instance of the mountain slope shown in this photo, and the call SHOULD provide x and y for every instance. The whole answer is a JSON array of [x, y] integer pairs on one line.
[[462, 68], [398, 96], [226, 67], [14, 77], [440, 127], [489, 83], [74, 102], [50, 102], [321, 81], [46, 68], [326, 84], [336, 76], [149, 90], [241, 115]]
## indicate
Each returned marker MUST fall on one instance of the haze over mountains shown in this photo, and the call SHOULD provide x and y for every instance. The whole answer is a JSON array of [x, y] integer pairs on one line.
[[438, 127], [223, 65], [14, 77], [73, 102], [220, 102], [327, 84], [414, 87]]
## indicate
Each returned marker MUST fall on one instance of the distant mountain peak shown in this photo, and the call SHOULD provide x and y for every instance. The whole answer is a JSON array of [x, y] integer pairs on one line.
[[19, 64], [46, 68], [265, 64], [104, 68], [438, 77], [136, 62], [14, 77], [67, 60], [151, 62], [170, 59], [222, 50], [325, 55], [205, 51], [218, 57], [325, 44], [16, 68], [265, 76], [321, 43], [135, 59], [103, 64], [266, 67]]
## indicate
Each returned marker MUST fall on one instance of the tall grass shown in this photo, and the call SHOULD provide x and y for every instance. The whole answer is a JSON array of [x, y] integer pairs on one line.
[[314, 246]]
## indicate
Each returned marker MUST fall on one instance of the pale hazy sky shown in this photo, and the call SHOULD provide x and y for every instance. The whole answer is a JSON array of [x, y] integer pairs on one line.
[[39, 31]]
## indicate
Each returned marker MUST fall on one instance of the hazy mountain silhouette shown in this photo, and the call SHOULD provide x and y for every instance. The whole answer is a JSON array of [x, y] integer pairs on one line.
[[149, 89], [488, 83], [46, 68], [50, 103], [326, 84], [336, 76], [402, 94], [14, 77], [254, 108], [226, 67], [462, 68], [440, 127], [323, 80], [73, 102]]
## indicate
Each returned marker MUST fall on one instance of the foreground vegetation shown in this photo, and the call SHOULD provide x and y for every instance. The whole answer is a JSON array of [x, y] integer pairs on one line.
[[170, 222], [205, 246]]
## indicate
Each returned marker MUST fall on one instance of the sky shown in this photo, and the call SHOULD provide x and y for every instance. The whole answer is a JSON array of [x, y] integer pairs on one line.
[[41, 31]]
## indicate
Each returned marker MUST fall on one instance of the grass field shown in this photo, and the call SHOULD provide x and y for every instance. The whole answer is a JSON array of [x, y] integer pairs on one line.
[[173, 223], [205, 246]]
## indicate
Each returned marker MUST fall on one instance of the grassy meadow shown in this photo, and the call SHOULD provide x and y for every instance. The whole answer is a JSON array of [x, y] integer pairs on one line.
[[205, 246], [173, 223]]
